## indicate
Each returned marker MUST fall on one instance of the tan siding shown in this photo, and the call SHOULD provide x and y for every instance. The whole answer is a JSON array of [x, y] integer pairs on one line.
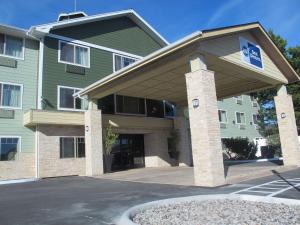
[[228, 48]]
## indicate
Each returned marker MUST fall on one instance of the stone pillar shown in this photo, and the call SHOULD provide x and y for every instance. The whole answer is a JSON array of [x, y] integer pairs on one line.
[[93, 141], [204, 126], [184, 146], [287, 128]]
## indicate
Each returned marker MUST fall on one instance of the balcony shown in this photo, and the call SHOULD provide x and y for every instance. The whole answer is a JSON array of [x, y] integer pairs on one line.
[[34, 117]]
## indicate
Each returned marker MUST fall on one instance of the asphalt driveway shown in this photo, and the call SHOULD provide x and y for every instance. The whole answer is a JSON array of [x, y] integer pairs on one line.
[[91, 201]]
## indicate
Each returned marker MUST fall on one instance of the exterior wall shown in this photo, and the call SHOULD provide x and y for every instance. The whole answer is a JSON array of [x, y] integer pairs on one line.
[[233, 130], [156, 149], [50, 164], [228, 48], [121, 33], [25, 73]]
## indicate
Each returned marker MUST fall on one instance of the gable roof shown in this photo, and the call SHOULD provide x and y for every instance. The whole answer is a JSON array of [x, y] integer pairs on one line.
[[42, 30], [256, 27]]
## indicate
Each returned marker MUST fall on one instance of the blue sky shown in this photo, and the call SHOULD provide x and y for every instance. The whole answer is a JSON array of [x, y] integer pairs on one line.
[[172, 18]]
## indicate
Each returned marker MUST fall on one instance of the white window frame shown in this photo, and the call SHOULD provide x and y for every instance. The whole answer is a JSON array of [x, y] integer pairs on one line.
[[19, 147], [124, 56], [21, 97], [236, 118], [254, 114], [13, 57], [226, 115], [75, 147], [239, 97], [70, 63], [58, 99]]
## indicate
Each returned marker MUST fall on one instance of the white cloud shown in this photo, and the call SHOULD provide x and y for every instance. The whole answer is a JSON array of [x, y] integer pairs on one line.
[[222, 10]]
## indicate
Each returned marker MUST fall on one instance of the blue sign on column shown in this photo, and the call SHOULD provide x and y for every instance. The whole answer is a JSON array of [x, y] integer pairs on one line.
[[251, 53]]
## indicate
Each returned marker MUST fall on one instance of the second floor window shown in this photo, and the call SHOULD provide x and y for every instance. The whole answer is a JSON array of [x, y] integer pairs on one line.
[[69, 101], [74, 54], [10, 96], [222, 116], [240, 118], [130, 105], [255, 119], [122, 61], [11, 46]]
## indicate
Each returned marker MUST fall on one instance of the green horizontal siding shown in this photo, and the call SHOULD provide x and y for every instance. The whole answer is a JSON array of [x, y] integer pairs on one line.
[[26, 74], [55, 73], [232, 130], [121, 34]]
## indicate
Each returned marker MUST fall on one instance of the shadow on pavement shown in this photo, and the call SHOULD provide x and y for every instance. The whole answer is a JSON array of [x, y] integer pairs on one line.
[[285, 180]]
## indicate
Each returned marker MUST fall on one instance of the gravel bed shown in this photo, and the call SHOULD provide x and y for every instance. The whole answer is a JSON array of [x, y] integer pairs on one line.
[[224, 212]]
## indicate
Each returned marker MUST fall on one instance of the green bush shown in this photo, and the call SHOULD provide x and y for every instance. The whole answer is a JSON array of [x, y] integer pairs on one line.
[[240, 148]]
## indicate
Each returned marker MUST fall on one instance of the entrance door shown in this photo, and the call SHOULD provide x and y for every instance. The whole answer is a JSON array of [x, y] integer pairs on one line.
[[128, 152]]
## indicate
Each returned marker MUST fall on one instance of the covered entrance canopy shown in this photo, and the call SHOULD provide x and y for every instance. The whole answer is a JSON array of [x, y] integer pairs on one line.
[[161, 74], [206, 66]]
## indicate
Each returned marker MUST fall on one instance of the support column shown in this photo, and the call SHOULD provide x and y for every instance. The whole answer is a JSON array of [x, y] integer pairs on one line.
[[183, 146], [93, 141], [287, 127], [204, 125]]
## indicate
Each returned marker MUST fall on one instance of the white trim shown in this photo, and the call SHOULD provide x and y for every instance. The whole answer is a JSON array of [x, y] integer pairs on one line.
[[122, 56], [87, 44], [74, 44], [58, 99], [45, 28], [19, 146], [21, 97], [226, 116], [260, 50], [236, 118], [14, 57], [40, 74]]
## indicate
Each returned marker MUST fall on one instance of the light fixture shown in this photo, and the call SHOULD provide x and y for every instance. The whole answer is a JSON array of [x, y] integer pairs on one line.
[[283, 115], [195, 102]]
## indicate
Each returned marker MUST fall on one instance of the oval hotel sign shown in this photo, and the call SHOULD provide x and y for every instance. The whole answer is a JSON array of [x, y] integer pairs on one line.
[[251, 53]]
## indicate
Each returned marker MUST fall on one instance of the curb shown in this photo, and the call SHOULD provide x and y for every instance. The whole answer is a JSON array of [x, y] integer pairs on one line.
[[126, 218]]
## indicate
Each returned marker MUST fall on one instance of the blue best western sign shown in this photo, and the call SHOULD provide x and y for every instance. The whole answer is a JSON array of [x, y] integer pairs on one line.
[[251, 53]]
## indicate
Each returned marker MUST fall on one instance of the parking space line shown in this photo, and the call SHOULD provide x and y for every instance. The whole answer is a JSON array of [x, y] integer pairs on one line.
[[272, 188]]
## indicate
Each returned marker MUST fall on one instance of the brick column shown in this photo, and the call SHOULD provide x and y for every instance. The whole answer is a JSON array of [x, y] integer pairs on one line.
[[183, 146], [205, 128], [93, 141], [287, 128]]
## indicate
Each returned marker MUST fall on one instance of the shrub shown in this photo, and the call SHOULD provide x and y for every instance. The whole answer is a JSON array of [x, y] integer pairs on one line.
[[241, 148]]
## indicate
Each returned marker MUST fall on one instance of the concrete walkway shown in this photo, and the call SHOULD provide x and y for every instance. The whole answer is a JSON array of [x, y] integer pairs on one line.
[[235, 173]]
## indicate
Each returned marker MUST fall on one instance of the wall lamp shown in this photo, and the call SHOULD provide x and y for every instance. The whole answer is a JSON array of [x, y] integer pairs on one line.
[[195, 102], [282, 115]]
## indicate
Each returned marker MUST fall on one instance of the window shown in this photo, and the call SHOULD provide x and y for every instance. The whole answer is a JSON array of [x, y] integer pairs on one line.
[[122, 61], [11, 46], [239, 99], [240, 118], [9, 148], [170, 109], [72, 147], [67, 100], [74, 54], [255, 119], [107, 104], [155, 108], [130, 105], [222, 116], [11, 96]]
